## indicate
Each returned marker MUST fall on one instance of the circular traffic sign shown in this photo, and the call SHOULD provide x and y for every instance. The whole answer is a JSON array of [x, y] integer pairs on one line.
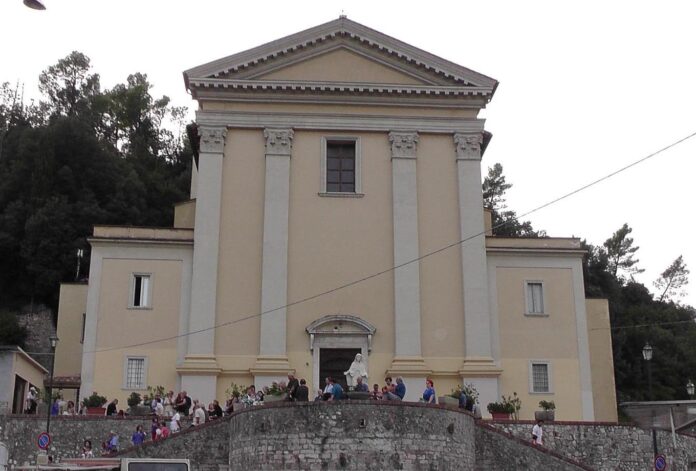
[[660, 463], [43, 440]]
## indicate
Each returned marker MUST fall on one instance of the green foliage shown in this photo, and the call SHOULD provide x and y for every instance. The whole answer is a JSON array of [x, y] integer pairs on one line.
[[468, 389], [84, 156], [507, 405], [673, 280], [505, 222], [11, 332], [134, 399], [235, 390], [547, 405], [620, 252], [94, 400]]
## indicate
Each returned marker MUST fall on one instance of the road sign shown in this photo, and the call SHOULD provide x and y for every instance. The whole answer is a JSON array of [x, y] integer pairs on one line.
[[660, 463], [43, 440]]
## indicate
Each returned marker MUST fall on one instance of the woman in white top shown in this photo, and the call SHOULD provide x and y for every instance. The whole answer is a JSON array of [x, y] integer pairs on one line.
[[168, 404]]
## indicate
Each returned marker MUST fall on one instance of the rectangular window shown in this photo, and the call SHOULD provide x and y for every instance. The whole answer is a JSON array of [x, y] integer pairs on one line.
[[540, 378], [340, 166], [135, 373], [140, 293], [535, 297]]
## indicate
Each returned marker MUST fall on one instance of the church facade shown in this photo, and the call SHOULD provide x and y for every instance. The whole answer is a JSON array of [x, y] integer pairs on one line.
[[336, 208]]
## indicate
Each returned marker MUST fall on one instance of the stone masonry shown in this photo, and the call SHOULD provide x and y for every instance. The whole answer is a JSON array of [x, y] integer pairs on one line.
[[608, 446]]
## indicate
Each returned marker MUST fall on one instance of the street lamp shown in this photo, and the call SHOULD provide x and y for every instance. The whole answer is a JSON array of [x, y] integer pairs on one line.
[[647, 356], [690, 389], [49, 389]]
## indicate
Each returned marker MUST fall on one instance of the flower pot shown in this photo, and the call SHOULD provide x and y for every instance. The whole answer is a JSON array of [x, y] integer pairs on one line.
[[96, 411], [270, 398], [448, 401], [545, 415], [500, 416]]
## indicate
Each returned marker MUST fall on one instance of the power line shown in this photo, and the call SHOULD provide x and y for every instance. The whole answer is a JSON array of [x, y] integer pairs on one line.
[[395, 267]]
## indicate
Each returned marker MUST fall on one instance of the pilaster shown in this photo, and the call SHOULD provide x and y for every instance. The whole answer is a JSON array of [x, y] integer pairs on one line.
[[199, 366], [479, 366], [407, 315], [272, 359]]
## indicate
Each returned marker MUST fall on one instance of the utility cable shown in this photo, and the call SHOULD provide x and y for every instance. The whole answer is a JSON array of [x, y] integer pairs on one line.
[[408, 262]]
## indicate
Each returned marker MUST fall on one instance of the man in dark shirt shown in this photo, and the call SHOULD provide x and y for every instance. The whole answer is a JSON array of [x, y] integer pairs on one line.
[[111, 408], [302, 394], [360, 386], [187, 403], [293, 384]]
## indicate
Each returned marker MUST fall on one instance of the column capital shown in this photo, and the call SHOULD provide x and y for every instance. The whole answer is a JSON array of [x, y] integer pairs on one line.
[[212, 139], [403, 144], [468, 146], [278, 141]]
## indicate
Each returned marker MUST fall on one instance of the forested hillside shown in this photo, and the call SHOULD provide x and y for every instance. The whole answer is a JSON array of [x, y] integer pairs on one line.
[[81, 156]]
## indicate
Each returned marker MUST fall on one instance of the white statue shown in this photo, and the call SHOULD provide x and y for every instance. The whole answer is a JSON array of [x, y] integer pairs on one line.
[[357, 369]]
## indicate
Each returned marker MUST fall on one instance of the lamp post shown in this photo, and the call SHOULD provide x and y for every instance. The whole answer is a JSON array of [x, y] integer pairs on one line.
[[647, 356], [690, 389], [49, 389]]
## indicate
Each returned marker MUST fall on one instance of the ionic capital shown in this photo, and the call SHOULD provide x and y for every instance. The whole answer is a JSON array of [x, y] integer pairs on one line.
[[403, 144], [278, 141], [468, 146]]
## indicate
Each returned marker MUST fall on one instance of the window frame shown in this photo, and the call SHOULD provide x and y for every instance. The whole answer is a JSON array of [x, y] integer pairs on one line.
[[549, 376], [126, 360], [131, 291], [325, 140], [527, 293]]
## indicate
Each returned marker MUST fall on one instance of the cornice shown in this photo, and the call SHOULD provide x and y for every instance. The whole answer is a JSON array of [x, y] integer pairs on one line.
[[336, 122], [196, 84], [341, 27]]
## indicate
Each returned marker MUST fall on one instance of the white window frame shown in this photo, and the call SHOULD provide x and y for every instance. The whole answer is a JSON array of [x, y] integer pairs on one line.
[[131, 291], [125, 372], [527, 294], [358, 167], [549, 372]]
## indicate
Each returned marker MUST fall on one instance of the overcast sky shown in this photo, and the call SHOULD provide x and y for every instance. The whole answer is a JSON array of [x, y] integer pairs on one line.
[[585, 88]]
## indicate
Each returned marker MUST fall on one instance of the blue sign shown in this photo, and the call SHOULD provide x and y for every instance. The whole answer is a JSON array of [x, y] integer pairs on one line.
[[43, 440], [660, 463]]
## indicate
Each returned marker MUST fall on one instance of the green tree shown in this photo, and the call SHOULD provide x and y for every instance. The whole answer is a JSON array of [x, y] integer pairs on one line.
[[621, 252], [672, 281], [69, 85], [505, 222], [11, 332]]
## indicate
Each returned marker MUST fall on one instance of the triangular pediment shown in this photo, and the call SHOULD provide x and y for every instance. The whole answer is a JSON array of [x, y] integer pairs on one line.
[[342, 64], [340, 55]]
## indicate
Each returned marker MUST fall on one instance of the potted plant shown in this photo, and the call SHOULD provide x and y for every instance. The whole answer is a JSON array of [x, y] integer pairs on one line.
[[276, 392], [547, 412], [451, 399], [95, 404], [134, 405], [507, 406], [235, 393]]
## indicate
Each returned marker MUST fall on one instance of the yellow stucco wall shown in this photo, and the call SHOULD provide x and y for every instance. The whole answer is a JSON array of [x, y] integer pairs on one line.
[[120, 325], [71, 308], [552, 338], [602, 360]]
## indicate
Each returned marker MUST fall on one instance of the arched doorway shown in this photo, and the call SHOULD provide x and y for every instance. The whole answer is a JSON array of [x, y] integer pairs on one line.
[[334, 340]]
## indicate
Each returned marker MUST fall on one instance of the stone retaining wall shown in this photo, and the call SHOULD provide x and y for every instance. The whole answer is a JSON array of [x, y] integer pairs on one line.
[[608, 446], [352, 435]]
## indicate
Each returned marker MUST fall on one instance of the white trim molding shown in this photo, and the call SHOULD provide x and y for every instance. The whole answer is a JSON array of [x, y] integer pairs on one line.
[[358, 166], [549, 376], [126, 359], [544, 305]]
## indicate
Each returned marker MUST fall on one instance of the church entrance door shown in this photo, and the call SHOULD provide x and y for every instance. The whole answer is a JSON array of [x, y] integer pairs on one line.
[[334, 361]]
